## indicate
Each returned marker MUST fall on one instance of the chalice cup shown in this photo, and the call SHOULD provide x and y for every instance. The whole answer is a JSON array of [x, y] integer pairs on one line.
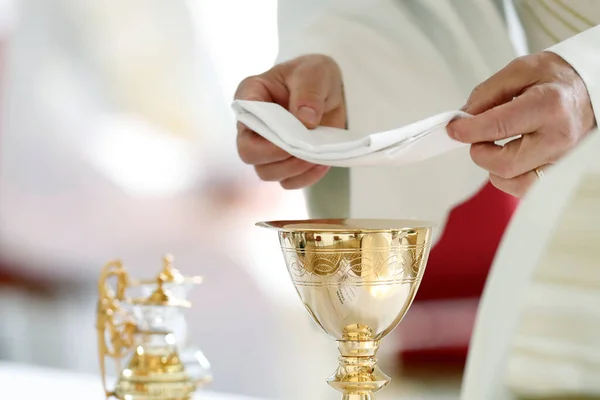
[[357, 278]]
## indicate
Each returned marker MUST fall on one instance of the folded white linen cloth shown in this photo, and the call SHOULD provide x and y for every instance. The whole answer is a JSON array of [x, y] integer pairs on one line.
[[412, 143]]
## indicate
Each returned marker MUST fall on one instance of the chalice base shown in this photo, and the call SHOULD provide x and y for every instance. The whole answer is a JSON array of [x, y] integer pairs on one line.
[[367, 396], [358, 376]]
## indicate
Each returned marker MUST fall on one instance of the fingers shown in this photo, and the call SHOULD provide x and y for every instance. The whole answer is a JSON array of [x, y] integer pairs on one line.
[[282, 170], [315, 88], [503, 86], [503, 122], [540, 98], [253, 149], [292, 173], [267, 87], [519, 185], [273, 164], [515, 157], [308, 178], [311, 88], [252, 88]]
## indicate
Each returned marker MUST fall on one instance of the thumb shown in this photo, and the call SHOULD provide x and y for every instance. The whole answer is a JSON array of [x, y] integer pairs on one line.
[[501, 87], [309, 86]]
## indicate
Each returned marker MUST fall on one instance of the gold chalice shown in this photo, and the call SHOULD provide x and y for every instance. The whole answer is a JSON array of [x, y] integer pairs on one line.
[[357, 279]]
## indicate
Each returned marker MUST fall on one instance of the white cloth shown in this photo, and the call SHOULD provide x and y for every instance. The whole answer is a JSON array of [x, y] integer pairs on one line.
[[324, 145]]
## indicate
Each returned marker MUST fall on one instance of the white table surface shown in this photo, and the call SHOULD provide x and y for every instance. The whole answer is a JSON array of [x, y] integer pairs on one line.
[[25, 382]]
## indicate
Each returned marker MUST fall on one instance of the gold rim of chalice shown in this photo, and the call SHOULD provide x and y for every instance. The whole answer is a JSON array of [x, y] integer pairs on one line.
[[346, 225], [357, 279]]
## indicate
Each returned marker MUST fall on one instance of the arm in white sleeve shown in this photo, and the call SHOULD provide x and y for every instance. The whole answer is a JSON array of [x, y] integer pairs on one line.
[[582, 52]]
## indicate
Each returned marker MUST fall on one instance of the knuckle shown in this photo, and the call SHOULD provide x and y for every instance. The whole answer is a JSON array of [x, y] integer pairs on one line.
[[505, 170], [329, 63], [516, 63], [289, 184], [244, 83], [501, 129], [500, 166], [555, 100], [477, 95], [312, 80], [478, 91], [320, 61], [557, 103], [250, 85], [247, 80], [538, 91], [318, 68], [525, 62], [498, 182], [246, 156], [476, 155], [244, 149], [325, 59], [264, 79], [568, 136], [552, 64], [310, 96], [263, 174], [506, 167]]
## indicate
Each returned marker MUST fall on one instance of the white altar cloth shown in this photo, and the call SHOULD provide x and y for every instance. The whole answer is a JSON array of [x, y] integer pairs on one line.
[[25, 382]]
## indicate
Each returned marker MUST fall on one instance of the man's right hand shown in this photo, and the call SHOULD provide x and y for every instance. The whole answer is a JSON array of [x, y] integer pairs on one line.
[[310, 87]]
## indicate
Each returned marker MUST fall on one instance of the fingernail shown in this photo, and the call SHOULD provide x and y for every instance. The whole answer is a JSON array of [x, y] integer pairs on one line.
[[308, 115]]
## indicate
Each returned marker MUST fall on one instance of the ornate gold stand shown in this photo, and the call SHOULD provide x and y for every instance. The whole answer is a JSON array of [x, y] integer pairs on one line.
[[139, 329], [358, 376]]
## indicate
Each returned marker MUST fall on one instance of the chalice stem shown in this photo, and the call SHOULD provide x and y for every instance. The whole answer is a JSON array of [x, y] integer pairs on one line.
[[358, 376]]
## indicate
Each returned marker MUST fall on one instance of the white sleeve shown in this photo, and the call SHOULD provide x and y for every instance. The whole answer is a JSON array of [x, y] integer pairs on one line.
[[582, 51]]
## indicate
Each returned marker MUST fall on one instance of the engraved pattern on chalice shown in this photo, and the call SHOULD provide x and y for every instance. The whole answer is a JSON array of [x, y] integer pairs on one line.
[[357, 279]]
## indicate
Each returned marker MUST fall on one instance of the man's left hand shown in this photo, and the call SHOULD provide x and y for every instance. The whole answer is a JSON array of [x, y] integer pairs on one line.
[[540, 97]]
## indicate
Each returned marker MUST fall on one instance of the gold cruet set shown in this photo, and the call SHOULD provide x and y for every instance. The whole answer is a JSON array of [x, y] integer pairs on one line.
[[142, 323]]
